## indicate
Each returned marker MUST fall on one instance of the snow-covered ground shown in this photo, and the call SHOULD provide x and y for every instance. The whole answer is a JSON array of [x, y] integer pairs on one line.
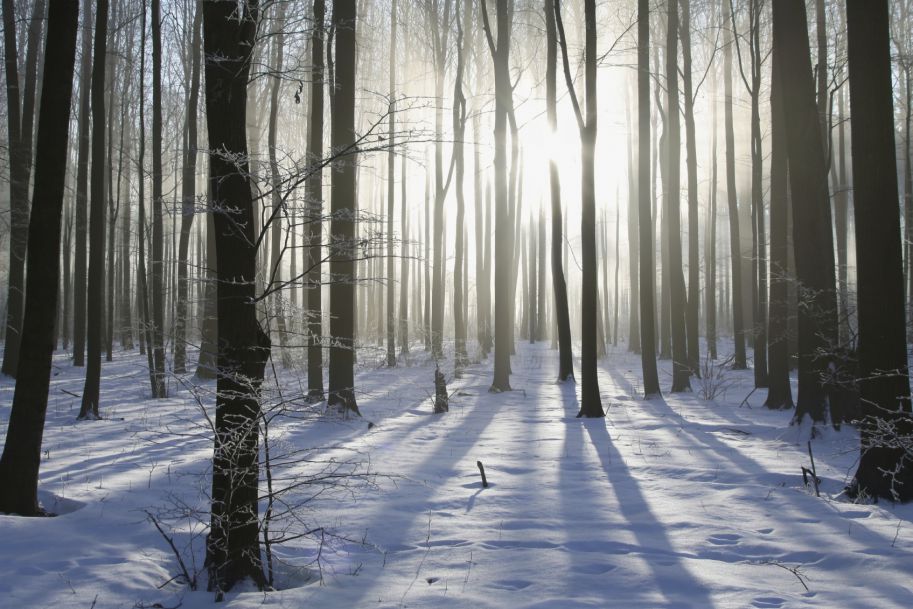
[[674, 502]]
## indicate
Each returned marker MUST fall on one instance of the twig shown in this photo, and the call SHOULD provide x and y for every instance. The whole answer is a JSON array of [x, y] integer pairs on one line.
[[814, 473], [191, 581], [482, 471]]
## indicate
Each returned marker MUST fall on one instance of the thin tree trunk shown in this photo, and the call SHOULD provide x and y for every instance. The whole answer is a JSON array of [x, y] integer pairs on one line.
[[645, 220], [735, 242], [313, 195], [559, 286], [19, 130], [391, 192], [96, 287], [158, 284], [694, 264], [590, 400], [82, 192], [188, 196]]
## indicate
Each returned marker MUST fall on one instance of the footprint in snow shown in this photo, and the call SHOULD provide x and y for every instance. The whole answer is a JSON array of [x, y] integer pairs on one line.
[[724, 539], [768, 602]]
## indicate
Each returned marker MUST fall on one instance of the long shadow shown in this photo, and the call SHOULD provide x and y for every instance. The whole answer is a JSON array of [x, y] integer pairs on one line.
[[673, 578], [789, 513], [399, 515]]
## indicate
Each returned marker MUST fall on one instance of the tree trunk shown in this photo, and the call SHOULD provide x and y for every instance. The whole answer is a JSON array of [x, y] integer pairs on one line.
[[779, 393], [21, 458], [232, 548], [710, 296], [645, 220], [459, 132], [694, 263], [19, 131], [82, 192], [158, 284], [313, 195], [391, 192], [740, 361], [565, 348], [590, 400], [811, 211], [884, 469], [275, 221], [404, 264], [503, 258], [680, 369], [96, 287], [344, 208], [188, 198]]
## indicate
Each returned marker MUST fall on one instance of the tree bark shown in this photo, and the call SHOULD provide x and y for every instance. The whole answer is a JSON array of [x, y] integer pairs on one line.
[[680, 360], [559, 286], [232, 548], [96, 287], [313, 195], [188, 196], [590, 400], [19, 126], [21, 458], [884, 469], [779, 393], [645, 220], [738, 324], [811, 211], [344, 209], [158, 283]]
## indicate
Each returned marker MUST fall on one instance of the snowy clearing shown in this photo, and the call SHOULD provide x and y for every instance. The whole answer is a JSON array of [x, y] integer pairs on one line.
[[674, 502]]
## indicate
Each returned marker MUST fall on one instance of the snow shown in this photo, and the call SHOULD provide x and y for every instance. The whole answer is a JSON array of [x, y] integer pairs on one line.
[[673, 502]]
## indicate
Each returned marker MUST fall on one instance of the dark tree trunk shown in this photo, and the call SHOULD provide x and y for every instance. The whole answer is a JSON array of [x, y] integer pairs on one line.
[[738, 324], [811, 211], [232, 548], [884, 469], [188, 198], [20, 121], [313, 195], [22, 450], [96, 286], [82, 192], [562, 314], [67, 277], [590, 400], [645, 220], [779, 393], [680, 368], [344, 208], [158, 283]]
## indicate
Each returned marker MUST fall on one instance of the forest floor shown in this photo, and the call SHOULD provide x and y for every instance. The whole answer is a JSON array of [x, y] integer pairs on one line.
[[673, 502]]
